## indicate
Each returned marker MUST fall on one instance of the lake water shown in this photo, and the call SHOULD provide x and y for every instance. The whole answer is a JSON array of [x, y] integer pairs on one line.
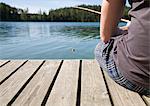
[[48, 40]]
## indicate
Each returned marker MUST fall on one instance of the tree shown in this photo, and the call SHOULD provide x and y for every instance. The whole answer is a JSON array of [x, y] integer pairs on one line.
[[44, 16], [67, 14], [24, 15]]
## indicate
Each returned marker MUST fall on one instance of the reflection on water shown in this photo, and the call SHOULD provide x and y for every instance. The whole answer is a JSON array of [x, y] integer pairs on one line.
[[48, 40], [83, 32]]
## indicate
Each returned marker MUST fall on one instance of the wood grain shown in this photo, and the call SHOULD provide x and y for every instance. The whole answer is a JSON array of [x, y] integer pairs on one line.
[[65, 88], [93, 91], [147, 100], [10, 87], [122, 96], [7, 69], [2, 62], [35, 91]]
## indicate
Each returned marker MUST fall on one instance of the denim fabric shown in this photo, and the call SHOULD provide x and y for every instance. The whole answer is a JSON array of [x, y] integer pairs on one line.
[[103, 55]]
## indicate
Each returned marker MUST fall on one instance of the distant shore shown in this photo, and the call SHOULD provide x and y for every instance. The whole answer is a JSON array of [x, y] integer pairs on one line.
[[67, 14]]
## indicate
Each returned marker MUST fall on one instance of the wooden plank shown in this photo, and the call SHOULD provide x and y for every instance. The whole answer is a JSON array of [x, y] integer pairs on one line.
[[65, 88], [8, 69], [35, 91], [122, 96], [147, 100], [2, 62], [11, 86], [93, 88]]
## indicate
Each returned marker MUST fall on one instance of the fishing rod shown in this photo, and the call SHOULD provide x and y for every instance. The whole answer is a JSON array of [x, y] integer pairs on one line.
[[97, 12]]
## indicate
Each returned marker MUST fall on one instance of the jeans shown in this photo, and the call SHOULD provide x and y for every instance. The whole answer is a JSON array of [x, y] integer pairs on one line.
[[103, 55]]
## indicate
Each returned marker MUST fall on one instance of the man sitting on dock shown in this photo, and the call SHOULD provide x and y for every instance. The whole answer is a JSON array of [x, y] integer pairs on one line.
[[125, 55]]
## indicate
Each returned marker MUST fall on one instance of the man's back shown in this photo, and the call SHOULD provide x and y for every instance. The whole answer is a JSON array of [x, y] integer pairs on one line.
[[126, 56], [133, 49]]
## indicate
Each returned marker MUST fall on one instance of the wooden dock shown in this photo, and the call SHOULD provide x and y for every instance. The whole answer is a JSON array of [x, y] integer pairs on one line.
[[61, 83]]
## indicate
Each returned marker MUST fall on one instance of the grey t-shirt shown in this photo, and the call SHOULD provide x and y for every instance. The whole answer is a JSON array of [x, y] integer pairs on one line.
[[131, 51]]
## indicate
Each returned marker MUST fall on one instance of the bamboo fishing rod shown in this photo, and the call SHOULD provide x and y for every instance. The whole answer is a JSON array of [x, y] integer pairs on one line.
[[97, 12]]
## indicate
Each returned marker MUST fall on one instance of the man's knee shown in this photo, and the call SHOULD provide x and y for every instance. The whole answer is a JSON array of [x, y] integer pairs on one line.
[[98, 55]]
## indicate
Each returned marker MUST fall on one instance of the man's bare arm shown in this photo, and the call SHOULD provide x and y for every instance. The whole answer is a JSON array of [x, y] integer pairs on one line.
[[112, 11]]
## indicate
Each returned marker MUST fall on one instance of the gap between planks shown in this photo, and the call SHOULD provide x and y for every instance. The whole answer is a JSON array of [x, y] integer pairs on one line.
[[12, 85], [3, 62], [121, 96]]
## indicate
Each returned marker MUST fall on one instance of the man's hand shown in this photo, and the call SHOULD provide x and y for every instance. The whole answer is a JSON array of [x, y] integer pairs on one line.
[[126, 27], [123, 29]]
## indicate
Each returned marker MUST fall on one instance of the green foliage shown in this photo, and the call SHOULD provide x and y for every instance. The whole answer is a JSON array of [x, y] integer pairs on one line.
[[125, 15], [8, 13]]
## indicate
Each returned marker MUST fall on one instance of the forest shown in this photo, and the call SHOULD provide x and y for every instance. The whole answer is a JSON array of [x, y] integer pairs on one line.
[[67, 14]]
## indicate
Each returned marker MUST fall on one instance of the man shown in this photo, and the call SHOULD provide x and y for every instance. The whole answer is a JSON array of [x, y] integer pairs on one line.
[[126, 55]]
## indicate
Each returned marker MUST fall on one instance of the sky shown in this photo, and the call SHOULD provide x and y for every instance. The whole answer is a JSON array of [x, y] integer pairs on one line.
[[35, 6], [45, 5]]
